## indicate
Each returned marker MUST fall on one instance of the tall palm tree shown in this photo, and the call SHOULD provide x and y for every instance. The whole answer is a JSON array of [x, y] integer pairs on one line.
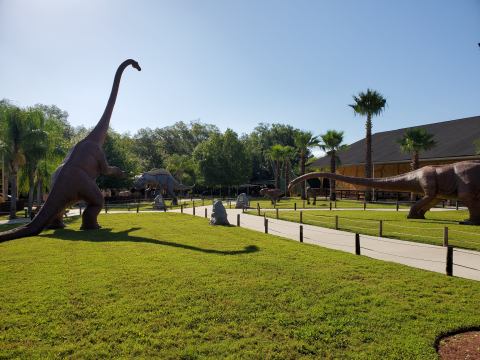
[[287, 154], [304, 140], [12, 120], [332, 143], [275, 153], [369, 104], [414, 141]]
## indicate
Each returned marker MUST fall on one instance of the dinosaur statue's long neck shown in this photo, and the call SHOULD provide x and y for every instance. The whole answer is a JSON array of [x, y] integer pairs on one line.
[[404, 182], [99, 133]]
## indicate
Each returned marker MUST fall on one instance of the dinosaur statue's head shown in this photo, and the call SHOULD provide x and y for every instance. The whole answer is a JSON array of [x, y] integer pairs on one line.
[[136, 66]]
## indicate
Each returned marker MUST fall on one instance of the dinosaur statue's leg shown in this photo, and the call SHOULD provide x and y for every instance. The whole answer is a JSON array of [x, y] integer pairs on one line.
[[94, 199], [428, 206], [57, 222], [418, 210], [473, 206]]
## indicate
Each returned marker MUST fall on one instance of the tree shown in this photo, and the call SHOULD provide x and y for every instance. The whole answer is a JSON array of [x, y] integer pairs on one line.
[[275, 154], [331, 143], [12, 130], [414, 141], [369, 104], [223, 159], [182, 167], [304, 140], [288, 153]]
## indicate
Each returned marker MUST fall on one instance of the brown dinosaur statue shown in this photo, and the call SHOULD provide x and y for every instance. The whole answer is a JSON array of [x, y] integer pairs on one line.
[[459, 181], [74, 179], [273, 194]]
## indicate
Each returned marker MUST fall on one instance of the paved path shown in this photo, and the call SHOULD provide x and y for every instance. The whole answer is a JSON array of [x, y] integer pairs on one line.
[[422, 256]]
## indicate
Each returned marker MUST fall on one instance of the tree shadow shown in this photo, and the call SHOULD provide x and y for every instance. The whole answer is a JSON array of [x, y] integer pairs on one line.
[[106, 235]]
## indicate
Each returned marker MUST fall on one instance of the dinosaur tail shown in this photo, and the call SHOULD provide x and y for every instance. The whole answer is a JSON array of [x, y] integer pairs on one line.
[[403, 182], [46, 214]]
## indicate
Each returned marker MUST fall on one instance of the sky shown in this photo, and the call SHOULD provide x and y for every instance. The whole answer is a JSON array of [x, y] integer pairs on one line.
[[236, 63]]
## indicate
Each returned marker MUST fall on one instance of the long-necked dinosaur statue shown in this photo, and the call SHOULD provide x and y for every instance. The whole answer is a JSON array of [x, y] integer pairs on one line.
[[74, 179], [459, 180]]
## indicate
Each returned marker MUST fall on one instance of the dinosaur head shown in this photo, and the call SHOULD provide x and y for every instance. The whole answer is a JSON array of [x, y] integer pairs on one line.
[[136, 66]]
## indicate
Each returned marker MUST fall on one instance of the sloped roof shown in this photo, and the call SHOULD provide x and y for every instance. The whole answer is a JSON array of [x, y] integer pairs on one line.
[[455, 139]]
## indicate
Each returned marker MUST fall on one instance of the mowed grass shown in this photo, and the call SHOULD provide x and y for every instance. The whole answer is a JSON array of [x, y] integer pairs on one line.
[[169, 285], [395, 225], [321, 204]]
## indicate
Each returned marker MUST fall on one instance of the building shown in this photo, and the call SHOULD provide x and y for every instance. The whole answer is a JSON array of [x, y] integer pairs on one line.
[[455, 142]]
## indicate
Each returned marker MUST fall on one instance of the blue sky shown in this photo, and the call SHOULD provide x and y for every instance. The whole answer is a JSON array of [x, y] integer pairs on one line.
[[238, 63]]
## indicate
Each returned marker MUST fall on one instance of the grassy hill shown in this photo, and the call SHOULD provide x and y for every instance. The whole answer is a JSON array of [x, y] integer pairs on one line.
[[171, 286]]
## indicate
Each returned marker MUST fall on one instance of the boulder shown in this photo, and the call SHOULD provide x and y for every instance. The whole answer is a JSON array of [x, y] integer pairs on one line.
[[242, 201], [219, 214], [159, 203]]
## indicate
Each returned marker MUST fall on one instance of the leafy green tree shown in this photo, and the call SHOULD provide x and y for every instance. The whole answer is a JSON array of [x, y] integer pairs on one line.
[[288, 154], [304, 140], [119, 152], [332, 143], [223, 159], [12, 132], [147, 147], [182, 167], [414, 141], [369, 104], [276, 155]]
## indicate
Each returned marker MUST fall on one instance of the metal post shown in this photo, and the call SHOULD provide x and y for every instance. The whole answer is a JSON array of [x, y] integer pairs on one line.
[[106, 208], [238, 220], [456, 205], [449, 267], [181, 208], [258, 211], [295, 206], [138, 207], [336, 222], [205, 213], [445, 236], [266, 225], [80, 207], [397, 205], [330, 205], [364, 205], [304, 204], [301, 233], [301, 217], [335, 203], [276, 211], [357, 244], [194, 209], [380, 228]]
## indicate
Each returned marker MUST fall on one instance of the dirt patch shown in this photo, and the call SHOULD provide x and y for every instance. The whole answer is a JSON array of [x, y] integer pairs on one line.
[[463, 346]]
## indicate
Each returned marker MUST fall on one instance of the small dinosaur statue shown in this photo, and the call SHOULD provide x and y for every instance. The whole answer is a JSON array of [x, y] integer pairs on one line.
[[160, 179], [460, 180], [74, 179], [273, 194]]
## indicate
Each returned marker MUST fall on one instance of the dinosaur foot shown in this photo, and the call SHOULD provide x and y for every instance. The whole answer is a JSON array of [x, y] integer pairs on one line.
[[90, 227], [469, 222]]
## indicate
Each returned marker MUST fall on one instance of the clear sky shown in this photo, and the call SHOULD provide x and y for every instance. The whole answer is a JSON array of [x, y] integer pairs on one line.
[[235, 63]]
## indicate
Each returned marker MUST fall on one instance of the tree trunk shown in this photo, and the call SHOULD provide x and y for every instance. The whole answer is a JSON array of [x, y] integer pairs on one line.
[[302, 172], [368, 156], [333, 166], [414, 165], [31, 189], [13, 198], [39, 192], [277, 174]]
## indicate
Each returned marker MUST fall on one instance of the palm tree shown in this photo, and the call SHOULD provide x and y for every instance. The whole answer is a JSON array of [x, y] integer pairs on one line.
[[369, 104], [287, 154], [332, 143], [304, 140], [414, 141], [275, 153], [12, 120]]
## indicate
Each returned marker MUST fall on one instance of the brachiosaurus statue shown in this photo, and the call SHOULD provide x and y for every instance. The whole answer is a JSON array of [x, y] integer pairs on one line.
[[74, 179], [459, 180]]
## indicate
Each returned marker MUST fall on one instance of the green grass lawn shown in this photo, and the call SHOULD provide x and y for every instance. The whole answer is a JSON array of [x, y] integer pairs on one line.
[[395, 225], [322, 204], [171, 286]]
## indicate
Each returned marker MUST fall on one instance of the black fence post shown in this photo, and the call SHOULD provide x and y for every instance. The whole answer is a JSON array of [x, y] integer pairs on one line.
[[330, 205], [238, 220], [364, 205], [456, 205], [445, 236], [181, 208], [397, 205], [295, 206], [380, 228], [276, 212], [449, 267], [194, 208], [80, 207], [205, 213], [301, 217], [301, 233], [336, 222], [106, 208], [266, 225], [138, 207], [357, 244]]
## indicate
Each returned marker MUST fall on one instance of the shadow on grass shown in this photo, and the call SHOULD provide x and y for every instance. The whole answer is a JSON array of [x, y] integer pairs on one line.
[[106, 235]]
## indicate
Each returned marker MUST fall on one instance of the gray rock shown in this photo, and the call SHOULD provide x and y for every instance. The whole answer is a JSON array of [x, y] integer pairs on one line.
[[219, 214], [242, 201], [159, 203]]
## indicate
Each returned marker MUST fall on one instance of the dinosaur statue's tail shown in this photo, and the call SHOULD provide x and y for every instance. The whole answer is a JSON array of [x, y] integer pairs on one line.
[[46, 214], [404, 182]]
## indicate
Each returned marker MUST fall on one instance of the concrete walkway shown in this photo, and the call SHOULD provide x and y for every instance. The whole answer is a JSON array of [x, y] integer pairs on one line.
[[422, 256]]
